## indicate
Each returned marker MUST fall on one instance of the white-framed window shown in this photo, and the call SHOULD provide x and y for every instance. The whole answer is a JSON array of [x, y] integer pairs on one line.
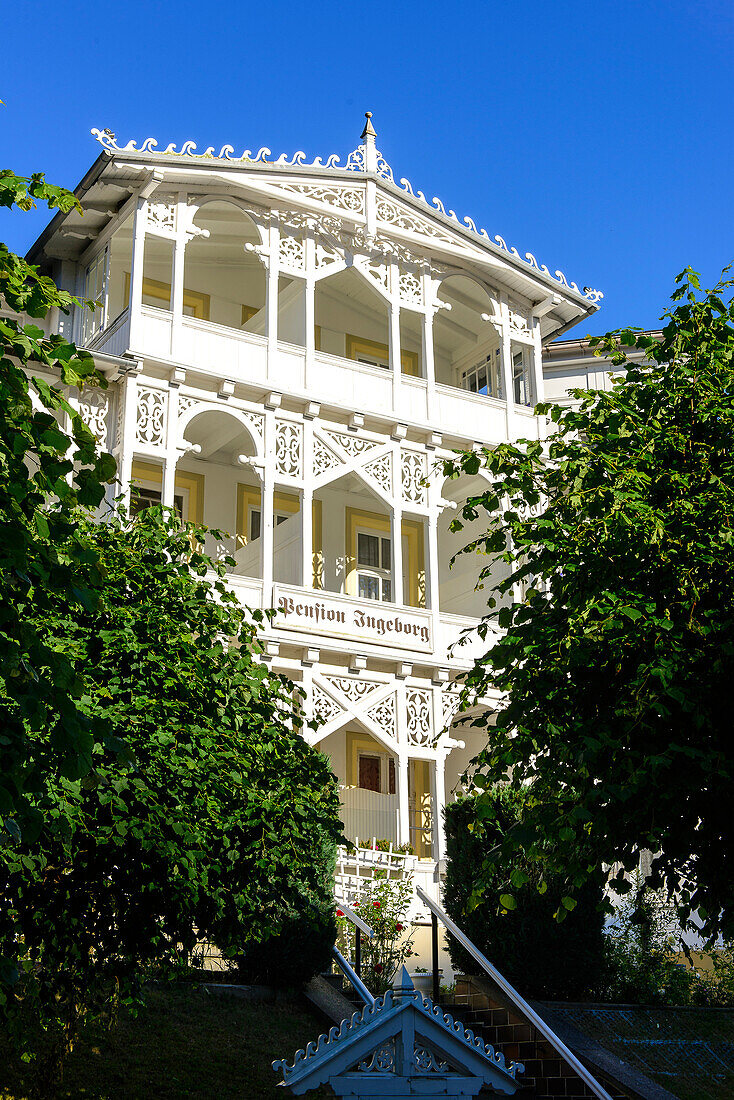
[[374, 566], [522, 381], [95, 290], [485, 376], [146, 495], [256, 522]]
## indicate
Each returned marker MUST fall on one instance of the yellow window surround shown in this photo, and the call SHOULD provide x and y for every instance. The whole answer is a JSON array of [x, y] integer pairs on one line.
[[412, 530], [193, 483], [357, 346], [249, 499], [197, 302], [358, 742]]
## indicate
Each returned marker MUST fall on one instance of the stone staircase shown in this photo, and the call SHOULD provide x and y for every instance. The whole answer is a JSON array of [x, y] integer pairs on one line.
[[546, 1075]]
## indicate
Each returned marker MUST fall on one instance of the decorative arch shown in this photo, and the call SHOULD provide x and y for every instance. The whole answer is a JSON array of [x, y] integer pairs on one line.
[[224, 274], [466, 340], [251, 422]]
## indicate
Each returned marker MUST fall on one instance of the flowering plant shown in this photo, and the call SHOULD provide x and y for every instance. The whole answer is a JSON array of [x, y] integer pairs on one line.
[[383, 905]]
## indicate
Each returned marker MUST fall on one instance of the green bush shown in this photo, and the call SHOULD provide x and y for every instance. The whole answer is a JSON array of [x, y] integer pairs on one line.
[[538, 955]]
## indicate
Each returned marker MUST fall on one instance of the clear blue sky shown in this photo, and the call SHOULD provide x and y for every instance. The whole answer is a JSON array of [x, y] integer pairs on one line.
[[597, 135]]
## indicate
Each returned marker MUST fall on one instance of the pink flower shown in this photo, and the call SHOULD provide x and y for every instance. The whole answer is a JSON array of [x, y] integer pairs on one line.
[[339, 913]]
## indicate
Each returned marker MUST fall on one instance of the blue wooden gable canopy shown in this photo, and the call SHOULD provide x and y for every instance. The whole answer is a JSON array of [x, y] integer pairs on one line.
[[401, 1046]]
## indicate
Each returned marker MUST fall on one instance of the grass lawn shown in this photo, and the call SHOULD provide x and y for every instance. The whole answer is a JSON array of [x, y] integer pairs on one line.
[[184, 1043]]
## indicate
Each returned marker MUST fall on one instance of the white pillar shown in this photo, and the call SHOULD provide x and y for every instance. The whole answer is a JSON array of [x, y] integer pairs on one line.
[[396, 540], [129, 399], [394, 346], [403, 800], [309, 308], [439, 801], [429, 365], [538, 384], [169, 466], [271, 296], [140, 221], [266, 509], [177, 279], [506, 365], [432, 586]]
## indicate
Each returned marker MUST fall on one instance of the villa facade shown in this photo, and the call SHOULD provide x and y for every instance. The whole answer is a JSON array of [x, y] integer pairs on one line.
[[292, 348]]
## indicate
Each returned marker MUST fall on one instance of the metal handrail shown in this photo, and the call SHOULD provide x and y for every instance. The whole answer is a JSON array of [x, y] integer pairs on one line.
[[353, 977], [519, 1002], [354, 918]]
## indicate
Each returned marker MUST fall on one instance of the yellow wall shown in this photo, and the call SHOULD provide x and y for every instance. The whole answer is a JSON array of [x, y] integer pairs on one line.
[[357, 345], [194, 483]]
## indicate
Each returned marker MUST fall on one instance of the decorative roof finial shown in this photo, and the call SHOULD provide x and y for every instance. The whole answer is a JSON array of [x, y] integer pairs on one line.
[[369, 130]]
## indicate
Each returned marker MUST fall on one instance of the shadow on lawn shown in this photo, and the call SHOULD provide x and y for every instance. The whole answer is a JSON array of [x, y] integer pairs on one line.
[[184, 1043]]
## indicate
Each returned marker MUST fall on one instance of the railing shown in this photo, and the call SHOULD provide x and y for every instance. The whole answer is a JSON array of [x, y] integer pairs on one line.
[[437, 913], [355, 869], [354, 974]]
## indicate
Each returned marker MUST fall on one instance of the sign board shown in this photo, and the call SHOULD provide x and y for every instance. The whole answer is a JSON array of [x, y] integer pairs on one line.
[[355, 620]]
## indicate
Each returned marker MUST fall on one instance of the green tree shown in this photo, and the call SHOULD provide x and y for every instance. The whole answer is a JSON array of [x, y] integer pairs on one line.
[[223, 825], [616, 666], [45, 475], [511, 921]]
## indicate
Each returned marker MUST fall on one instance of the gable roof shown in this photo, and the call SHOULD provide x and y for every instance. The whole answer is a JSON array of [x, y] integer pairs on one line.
[[402, 213]]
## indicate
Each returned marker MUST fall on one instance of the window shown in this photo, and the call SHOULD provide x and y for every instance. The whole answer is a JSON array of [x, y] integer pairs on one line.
[[255, 522], [521, 378], [377, 355], [374, 567], [376, 772], [484, 377], [95, 289], [144, 497]]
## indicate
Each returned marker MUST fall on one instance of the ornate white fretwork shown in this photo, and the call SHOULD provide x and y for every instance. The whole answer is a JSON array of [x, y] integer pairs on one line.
[[356, 162], [381, 470], [390, 212], [379, 272], [93, 408], [346, 198], [185, 403], [413, 473], [324, 458], [292, 251], [387, 211], [450, 703], [352, 444], [256, 419], [383, 715], [419, 717], [518, 321], [353, 689], [410, 288], [326, 254], [151, 415], [162, 214], [324, 708], [288, 448]]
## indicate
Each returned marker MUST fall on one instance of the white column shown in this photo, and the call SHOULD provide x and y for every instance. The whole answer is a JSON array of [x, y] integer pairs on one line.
[[394, 346], [271, 296], [177, 279], [429, 365], [266, 509], [136, 275], [506, 363], [169, 466], [307, 507], [433, 590], [309, 308], [438, 784], [396, 539], [129, 423], [403, 800], [538, 383]]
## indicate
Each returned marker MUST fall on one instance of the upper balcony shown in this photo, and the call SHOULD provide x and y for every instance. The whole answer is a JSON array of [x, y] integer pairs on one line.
[[362, 332]]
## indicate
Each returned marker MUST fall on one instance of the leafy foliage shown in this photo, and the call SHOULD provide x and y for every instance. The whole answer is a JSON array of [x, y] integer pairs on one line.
[[45, 475], [508, 918], [618, 662], [384, 905], [224, 822]]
